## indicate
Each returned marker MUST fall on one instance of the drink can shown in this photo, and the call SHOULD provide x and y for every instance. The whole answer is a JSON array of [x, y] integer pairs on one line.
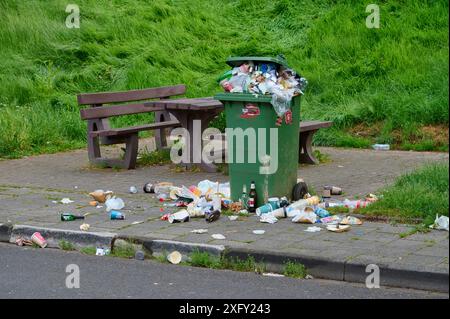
[[267, 208], [274, 202], [115, 214]]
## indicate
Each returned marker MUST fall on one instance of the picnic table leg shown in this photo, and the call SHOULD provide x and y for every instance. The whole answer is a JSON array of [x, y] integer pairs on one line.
[[186, 119], [161, 134], [306, 154]]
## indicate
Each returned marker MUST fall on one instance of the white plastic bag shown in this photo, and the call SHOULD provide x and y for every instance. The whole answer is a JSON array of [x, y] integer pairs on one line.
[[440, 223], [305, 217], [114, 203]]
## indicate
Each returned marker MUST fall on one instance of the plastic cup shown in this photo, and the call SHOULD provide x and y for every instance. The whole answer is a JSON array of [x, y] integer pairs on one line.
[[39, 240], [274, 202]]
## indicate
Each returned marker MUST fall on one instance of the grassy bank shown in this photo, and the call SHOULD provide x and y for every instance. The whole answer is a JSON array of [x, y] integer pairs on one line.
[[421, 194], [390, 82]]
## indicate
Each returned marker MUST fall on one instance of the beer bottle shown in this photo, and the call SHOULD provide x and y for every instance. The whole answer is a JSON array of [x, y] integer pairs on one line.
[[244, 197], [66, 217], [252, 198]]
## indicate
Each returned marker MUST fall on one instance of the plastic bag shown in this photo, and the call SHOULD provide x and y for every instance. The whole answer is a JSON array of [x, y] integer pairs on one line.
[[114, 203], [440, 223], [306, 217]]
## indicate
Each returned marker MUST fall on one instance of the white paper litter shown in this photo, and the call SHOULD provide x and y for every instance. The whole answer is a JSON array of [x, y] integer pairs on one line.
[[271, 274], [66, 200], [199, 231], [85, 227], [218, 236], [268, 218], [232, 218], [137, 222], [313, 229], [259, 232]]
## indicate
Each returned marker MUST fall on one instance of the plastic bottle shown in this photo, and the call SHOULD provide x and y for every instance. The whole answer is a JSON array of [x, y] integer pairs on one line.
[[302, 203]]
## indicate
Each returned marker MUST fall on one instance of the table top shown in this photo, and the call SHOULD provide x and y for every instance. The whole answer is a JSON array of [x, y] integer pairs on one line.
[[192, 104]]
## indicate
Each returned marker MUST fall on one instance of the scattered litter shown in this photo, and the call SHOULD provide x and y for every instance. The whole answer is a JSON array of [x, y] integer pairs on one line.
[[137, 222], [139, 255], [199, 231], [350, 220], [440, 223], [100, 195], [313, 229], [54, 202], [332, 190], [114, 203], [174, 257], [268, 218], [66, 217], [339, 228], [271, 274], [218, 236], [85, 227], [331, 220], [38, 240], [212, 216], [259, 232], [102, 251], [307, 216], [66, 201], [116, 215], [381, 147], [179, 217], [321, 212], [99, 207], [233, 218], [133, 190], [309, 277], [93, 203], [23, 242]]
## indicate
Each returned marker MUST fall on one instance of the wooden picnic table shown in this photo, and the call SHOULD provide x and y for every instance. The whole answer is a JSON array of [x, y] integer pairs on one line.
[[190, 112]]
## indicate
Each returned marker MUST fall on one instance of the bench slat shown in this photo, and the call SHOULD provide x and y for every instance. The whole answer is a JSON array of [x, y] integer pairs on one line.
[[134, 129], [314, 125], [117, 110], [133, 95]]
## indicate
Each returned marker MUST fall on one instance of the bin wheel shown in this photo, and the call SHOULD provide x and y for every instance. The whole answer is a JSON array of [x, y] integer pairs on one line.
[[299, 191]]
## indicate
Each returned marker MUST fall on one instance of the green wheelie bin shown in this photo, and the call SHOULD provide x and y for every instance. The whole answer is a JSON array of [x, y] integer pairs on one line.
[[257, 149]]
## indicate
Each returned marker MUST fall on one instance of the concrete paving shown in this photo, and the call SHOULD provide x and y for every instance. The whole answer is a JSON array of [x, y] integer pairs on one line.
[[31, 188]]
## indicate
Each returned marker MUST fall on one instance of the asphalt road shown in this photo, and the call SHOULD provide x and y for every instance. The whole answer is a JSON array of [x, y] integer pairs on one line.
[[41, 273]]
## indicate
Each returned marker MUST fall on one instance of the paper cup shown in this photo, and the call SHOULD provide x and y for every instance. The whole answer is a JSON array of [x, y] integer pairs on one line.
[[39, 240], [267, 208], [174, 257], [274, 202]]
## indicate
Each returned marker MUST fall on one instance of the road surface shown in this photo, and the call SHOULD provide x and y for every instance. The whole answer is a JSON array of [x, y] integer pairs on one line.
[[41, 273]]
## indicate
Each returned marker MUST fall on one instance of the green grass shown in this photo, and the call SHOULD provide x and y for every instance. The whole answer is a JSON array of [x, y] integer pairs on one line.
[[205, 260], [396, 76], [89, 250], [65, 245], [157, 157], [422, 194], [127, 250], [294, 270]]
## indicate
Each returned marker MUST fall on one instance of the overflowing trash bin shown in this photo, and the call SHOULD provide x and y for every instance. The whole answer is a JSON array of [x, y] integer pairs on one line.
[[262, 111]]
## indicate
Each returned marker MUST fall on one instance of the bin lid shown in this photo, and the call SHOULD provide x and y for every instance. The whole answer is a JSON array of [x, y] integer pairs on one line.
[[237, 61], [243, 97]]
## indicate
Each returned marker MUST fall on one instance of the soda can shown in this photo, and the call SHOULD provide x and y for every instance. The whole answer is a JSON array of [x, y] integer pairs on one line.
[[267, 208], [149, 188], [39, 240], [115, 214], [274, 202]]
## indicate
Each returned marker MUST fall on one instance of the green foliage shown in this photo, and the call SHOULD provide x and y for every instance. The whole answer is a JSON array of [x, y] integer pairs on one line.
[[397, 74], [294, 270], [158, 157], [89, 250], [420, 194], [65, 245], [123, 251]]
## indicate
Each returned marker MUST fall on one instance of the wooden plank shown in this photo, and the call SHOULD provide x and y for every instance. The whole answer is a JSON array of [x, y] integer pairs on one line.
[[314, 125], [134, 129], [133, 95], [116, 110]]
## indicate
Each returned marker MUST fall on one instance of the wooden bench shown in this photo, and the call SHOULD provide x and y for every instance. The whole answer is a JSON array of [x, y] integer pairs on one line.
[[99, 130], [307, 131]]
